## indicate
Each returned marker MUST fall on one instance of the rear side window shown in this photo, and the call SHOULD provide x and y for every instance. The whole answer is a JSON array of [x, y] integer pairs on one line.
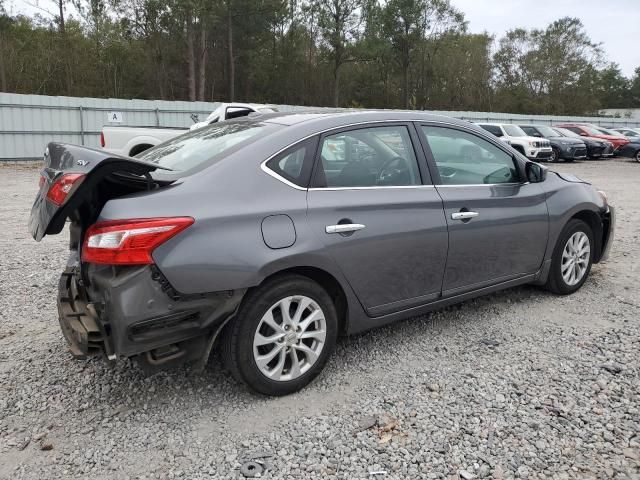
[[295, 163]]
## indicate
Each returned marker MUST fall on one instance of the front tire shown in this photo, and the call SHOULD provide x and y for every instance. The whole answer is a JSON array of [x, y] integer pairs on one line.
[[572, 258], [282, 336], [637, 156], [555, 155]]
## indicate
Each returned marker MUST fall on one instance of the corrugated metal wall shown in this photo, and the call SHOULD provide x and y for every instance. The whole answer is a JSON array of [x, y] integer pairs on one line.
[[29, 122]]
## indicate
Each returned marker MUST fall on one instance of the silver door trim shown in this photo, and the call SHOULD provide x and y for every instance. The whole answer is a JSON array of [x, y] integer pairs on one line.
[[510, 184], [344, 228], [378, 187]]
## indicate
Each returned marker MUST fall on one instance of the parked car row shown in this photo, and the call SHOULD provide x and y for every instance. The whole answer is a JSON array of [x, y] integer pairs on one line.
[[567, 141]]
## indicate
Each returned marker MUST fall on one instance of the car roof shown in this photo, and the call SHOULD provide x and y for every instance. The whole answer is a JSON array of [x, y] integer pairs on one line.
[[330, 118]]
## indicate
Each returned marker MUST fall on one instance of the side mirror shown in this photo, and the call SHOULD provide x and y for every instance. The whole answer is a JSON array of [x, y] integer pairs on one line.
[[535, 172]]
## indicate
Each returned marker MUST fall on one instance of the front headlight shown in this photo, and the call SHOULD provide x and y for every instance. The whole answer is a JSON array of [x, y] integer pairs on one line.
[[604, 197]]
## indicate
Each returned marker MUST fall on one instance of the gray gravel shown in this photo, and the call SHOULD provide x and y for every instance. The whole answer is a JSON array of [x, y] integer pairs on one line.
[[520, 384]]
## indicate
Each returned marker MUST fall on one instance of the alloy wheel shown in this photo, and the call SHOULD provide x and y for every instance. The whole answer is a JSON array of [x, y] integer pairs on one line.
[[575, 258], [289, 338], [638, 156]]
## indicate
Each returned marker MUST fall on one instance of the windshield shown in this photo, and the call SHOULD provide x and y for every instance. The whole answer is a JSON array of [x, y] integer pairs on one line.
[[566, 133], [206, 144], [610, 132], [514, 131], [591, 130], [546, 131]]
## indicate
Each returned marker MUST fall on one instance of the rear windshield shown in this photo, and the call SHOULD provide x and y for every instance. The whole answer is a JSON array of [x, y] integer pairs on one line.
[[206, 145]]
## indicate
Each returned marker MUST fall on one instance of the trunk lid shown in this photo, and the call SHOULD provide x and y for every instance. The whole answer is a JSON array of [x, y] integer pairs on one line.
[[105, 176]]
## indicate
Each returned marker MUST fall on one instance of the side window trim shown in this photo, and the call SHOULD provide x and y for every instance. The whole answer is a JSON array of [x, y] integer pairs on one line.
[[484, 135], [426, 179]]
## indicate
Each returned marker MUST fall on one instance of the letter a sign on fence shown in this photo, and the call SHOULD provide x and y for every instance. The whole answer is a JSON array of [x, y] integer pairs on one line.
[[114, 117]]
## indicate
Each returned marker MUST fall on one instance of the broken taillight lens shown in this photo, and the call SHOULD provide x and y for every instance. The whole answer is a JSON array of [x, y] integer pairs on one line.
[[61, 188], [129, 242]]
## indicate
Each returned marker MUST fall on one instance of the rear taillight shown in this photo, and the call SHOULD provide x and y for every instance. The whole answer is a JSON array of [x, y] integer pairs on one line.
[[129, 242], [63, 186], [102, 139]]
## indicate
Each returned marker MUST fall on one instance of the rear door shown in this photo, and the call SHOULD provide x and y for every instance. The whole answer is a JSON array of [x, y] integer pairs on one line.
[[498, 224], [379, 216]]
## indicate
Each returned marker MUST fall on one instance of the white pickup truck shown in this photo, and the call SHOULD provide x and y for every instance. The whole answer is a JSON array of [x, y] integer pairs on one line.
[[132, 140]]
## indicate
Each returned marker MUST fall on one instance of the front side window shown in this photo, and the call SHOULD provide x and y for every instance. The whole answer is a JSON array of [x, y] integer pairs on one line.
[[368, 157], [465, 159]]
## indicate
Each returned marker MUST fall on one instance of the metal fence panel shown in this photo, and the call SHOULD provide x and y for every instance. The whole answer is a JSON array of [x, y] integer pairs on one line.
[[29, 122]]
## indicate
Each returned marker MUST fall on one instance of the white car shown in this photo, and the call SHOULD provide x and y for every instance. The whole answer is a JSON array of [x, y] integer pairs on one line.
[[131, 141], [531, 147], [227, 111]]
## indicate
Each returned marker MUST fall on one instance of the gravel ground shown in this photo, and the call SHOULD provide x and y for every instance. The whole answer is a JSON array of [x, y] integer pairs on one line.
[[519, 384]]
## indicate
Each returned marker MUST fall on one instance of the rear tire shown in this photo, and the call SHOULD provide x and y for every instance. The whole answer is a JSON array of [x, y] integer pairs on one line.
[[267, 349], [637, 156], [572, 258]]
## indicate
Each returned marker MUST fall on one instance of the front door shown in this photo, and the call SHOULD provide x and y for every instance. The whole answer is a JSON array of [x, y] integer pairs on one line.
[[384, 228], [498, 224]]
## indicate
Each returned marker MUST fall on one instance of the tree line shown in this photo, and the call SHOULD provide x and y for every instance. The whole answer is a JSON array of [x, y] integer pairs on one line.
[[415, 54]]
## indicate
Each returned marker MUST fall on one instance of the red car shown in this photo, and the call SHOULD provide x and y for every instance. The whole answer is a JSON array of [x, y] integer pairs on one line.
[[587, 130]]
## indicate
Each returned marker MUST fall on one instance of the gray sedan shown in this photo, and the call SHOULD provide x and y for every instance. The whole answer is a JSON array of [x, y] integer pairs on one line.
[[267, 237]]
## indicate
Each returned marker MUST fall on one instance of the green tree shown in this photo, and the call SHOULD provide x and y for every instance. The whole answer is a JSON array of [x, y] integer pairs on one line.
[[548, 71], [338, 24]]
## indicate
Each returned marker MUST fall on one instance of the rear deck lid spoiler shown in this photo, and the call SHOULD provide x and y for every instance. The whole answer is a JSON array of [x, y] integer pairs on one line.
[[94, 166]]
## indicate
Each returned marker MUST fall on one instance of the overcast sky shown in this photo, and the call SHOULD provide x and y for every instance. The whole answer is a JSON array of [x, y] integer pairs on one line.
[[614, 23]]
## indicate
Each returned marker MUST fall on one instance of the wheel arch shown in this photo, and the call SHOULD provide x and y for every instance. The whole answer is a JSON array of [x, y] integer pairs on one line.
[[141, 147], [328, 282], [594, 221]]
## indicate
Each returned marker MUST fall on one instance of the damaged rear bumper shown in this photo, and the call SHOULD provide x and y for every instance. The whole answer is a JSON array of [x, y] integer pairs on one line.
[[134, 312]]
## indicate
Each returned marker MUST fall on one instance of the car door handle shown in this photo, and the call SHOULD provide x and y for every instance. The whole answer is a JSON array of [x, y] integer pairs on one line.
[[344, 228], [464, 215]]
